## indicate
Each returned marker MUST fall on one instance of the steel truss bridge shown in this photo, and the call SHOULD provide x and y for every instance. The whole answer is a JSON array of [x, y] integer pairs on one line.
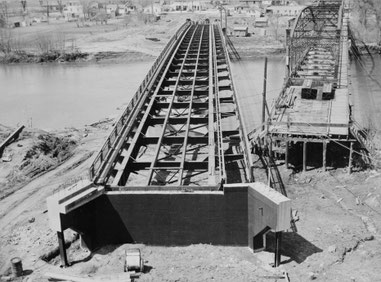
[[183, 127], [314, 104]]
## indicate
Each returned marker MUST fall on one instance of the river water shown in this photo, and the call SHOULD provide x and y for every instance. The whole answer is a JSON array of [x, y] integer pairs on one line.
[[366, 91], [54, 96]]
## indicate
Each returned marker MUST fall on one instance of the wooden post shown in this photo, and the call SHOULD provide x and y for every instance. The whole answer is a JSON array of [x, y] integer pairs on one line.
[[278, 242], [271, 148], [61, 244], [324, 156], [304, 156], [286, 155], [264, 96], [350, 158]]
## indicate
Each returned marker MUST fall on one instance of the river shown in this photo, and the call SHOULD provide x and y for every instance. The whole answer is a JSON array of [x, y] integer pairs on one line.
[[54, 96], [366, 91]]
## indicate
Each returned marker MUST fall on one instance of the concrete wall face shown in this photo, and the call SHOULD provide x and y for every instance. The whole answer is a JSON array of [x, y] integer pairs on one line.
[[172, 219], [232, 217]]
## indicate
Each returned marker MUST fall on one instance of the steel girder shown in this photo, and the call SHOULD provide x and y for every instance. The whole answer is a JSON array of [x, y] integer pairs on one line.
[[188, 132]]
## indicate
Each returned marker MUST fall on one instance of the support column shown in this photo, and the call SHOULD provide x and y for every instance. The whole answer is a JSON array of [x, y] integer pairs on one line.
[[324, 156], [278, 243], [286, 155], [61, 244], [350, 158], [304, 156]]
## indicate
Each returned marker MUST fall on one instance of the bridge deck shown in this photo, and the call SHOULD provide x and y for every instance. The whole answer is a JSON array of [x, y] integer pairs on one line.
[[187, 130], [315, 100]]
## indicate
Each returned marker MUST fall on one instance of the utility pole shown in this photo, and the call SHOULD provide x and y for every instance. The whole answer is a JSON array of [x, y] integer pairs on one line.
[[47, 10], [264, 96], [23, 5]]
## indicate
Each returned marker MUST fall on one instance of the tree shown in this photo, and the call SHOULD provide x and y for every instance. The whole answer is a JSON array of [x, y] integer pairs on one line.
[[60, 6], [86, 8], [4, 14]]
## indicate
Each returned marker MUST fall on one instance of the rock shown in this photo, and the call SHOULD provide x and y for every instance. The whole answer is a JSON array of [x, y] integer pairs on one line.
[[357, 201], [332, 249], [7, 158], [339, 200], [312, 276], [322, 196], [31, 220], [19, 145], [369, 238], [6, 278]]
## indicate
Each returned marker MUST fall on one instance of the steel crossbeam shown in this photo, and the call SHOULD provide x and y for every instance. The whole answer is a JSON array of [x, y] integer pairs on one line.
[[156, 156], [185, 128]]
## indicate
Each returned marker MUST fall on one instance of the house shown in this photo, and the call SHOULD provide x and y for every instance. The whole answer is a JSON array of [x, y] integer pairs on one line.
[[241, 8], [280, 2], [118, 9], [288, 11], [261, 22], [188, 6], [255, 13], [153, 9], [73, 10], [121, 10], [251, 3], [240, 31]]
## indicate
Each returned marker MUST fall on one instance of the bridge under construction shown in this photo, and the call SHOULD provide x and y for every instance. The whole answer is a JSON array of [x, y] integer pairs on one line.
[[177, 168]]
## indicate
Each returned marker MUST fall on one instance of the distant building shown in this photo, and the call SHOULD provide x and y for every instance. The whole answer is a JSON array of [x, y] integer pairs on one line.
[[261, 22], [188, 6], [240, 31], [289, 10], [111, 9], [255, 13], [154, 9], [280, 2], [73, 10], [265, 2], [251, 2]]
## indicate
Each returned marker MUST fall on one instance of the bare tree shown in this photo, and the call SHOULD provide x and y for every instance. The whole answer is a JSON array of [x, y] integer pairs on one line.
[[86, 8], [60, 6], [4, 14]]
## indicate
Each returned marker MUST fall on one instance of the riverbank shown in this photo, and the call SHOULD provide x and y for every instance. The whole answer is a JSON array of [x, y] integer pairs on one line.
[[122, 39], [74, 57]]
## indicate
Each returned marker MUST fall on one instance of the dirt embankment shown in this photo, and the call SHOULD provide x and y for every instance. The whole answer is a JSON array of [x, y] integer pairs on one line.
[[37, 165], [34, 153]]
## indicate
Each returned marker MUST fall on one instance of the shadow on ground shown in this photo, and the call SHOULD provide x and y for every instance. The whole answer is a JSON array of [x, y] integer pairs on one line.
[[293, 246]]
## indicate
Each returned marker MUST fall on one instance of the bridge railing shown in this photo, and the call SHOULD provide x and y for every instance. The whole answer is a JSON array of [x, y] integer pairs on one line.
[[125, 117], [244, 136]]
